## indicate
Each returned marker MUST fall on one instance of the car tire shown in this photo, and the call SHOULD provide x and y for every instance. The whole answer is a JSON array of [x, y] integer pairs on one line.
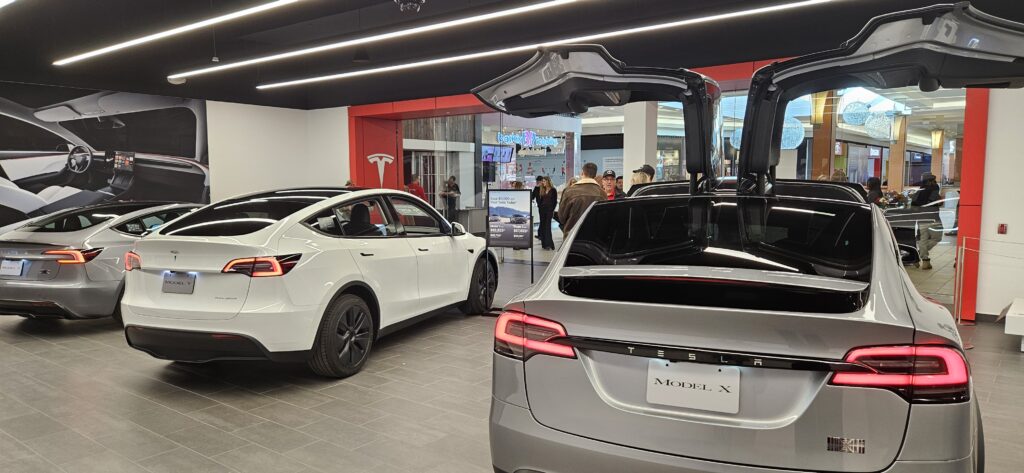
[[482, 286], [344, 339]]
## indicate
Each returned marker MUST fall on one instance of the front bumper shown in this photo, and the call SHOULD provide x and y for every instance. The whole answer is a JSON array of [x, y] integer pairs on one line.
[[183, 345], [519, 444], [74, 297]]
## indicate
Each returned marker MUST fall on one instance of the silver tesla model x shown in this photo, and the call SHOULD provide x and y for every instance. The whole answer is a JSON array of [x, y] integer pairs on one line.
[[70, 264], [763, 328]]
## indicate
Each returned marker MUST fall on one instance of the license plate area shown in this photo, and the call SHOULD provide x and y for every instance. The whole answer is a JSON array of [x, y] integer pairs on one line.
[[703, 387], [11, 267], [179, 282]]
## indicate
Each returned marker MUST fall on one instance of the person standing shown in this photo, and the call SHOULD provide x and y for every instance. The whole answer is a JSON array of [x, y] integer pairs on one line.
[[930, 233], [451, 199], [610, 189], [577, 198], [415, 188], [547, 201], [874, 187]]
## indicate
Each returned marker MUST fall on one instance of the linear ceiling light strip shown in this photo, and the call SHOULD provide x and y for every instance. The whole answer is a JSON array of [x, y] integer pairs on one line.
[[174, 31], [375, 38], [4, 3], [529, 47]]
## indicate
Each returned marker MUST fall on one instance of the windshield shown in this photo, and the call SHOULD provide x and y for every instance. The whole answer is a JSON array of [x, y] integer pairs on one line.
[[804, 236], [247, 214], [80, 219], [168, 131]]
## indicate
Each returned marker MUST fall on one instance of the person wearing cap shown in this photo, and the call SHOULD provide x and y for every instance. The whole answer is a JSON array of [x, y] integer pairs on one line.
[[576, 199], [643, 175], [608, 180], [931, 231]]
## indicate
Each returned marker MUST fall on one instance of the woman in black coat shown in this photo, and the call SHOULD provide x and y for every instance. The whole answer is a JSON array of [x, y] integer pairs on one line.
[[547, 202]]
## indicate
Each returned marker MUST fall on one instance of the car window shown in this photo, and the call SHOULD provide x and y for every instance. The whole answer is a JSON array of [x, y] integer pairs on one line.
[[360, 219], [146, 223], [416, 219], [236, 217], [79, 219]]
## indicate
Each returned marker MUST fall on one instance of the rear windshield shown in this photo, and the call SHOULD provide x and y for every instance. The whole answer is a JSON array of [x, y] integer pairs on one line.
[[247, 214], [80, 219], [806, 236]]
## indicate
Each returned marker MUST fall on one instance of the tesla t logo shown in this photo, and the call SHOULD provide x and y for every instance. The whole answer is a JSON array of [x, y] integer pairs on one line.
[[381, 160]]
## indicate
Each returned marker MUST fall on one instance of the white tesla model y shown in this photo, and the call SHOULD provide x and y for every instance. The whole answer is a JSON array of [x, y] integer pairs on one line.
[[300, 274]]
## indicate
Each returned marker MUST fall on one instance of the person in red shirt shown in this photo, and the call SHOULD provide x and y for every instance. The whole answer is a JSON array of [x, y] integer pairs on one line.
[[415, 188], [608, 182]]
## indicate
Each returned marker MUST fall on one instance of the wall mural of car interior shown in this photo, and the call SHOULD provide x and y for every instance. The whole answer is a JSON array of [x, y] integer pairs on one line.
[[63, 148]]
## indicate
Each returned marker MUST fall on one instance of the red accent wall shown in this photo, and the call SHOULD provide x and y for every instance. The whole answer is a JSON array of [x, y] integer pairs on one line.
[[972, 181], [376, 136]]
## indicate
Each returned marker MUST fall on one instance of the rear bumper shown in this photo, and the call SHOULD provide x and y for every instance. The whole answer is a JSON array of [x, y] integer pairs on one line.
[[521, 445], [78, 298], [183, 345]]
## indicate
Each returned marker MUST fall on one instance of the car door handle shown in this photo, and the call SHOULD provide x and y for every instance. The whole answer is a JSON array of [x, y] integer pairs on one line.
[[423, 249], [366, 254]]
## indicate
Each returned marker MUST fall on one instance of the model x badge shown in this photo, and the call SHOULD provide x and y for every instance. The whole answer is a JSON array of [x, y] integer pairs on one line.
[[381, 160]]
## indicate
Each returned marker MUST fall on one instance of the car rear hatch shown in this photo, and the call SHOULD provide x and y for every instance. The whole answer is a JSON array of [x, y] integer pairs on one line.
[[183, 278], [707, 328], [25, 260]]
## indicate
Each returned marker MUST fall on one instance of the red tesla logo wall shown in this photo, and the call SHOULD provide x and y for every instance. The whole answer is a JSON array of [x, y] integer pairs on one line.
[[378, 158]]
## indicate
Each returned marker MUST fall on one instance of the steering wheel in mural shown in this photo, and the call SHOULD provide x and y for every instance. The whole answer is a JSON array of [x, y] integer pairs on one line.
[[79, 159]]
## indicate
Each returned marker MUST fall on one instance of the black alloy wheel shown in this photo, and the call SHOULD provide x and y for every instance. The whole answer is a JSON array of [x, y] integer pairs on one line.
[[345, 338], [482, 286]]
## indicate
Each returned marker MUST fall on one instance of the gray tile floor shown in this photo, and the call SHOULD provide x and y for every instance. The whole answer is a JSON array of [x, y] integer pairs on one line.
[[75, 398]]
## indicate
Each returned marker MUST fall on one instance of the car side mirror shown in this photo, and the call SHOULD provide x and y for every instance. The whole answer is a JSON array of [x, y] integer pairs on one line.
[[458, 229], [909, 254]]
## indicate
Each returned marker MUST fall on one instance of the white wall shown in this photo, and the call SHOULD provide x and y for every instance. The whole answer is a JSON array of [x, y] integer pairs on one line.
[[1001, 265], [255, 148]]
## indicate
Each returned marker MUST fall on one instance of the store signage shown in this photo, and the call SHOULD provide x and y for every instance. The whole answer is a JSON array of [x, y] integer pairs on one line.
[[526, 139], [381, 160], [509, 219]]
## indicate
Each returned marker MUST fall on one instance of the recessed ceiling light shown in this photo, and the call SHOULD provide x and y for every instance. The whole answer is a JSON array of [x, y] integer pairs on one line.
[[375, 38], [174, 31], [529, 47]]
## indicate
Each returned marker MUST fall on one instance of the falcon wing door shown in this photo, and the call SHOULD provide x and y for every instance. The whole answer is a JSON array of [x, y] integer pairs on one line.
[[572, 78], [943, 46]]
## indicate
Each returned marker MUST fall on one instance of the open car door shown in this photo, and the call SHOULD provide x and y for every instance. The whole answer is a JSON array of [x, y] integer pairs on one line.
[[570, 79], [942, 46]]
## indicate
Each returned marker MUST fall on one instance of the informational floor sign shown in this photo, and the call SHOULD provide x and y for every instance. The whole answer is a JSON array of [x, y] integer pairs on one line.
[[509, 220]]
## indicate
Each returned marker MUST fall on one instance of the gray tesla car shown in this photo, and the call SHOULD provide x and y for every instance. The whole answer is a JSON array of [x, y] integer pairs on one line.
[[70, 264], [744, 329]]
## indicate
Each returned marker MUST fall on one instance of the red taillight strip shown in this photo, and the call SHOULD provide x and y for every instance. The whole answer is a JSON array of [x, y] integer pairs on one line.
[[540, 346], [956, 368], [74, 256], [275, 266]]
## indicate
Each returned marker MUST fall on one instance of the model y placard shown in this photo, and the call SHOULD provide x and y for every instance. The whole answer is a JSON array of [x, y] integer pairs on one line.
[[63, 148], [509, 219]]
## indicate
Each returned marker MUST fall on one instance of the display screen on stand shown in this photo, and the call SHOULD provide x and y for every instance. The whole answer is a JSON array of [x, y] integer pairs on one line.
[[509, 219]]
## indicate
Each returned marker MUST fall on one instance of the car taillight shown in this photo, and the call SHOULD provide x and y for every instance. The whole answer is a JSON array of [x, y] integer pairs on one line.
[[522, 336], [132, 260], [262, 266], [74, 256], [921, 373]]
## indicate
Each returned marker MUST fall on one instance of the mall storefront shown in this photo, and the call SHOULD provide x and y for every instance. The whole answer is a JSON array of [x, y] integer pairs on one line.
[[848, 135]]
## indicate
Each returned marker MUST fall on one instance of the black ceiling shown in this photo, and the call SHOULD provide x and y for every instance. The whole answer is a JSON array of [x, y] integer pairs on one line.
[[34, 33]]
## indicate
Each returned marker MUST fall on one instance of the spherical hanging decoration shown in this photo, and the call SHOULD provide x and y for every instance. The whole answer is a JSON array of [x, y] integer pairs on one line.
[[879, 126], [792, 133], [736, 137], [856, 113]]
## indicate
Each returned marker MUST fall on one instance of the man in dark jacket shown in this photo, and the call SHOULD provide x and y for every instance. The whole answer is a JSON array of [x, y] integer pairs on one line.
[[577, 198]]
